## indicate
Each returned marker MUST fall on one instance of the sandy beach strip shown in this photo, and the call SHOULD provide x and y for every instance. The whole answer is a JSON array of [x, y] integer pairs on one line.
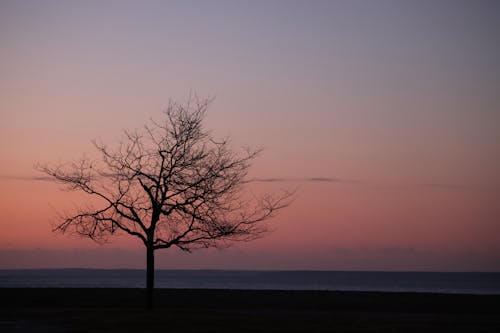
[[212, 310]]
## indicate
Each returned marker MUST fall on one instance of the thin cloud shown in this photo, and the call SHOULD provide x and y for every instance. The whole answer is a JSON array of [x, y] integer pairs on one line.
[[322, 180], [27, 178], [437, 186], [309, 179], [254, 180]]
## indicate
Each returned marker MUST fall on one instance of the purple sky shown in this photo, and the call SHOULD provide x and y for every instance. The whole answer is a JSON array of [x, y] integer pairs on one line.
[[396, 101]]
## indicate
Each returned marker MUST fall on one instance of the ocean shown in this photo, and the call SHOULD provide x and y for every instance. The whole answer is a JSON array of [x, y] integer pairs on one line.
[[463, 283]]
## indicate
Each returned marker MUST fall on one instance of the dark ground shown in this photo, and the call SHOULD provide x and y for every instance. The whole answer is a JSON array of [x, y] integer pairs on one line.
[[184, 310]]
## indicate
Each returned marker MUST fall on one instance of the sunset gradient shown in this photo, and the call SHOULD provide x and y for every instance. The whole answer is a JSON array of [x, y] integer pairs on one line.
[[383, 116]]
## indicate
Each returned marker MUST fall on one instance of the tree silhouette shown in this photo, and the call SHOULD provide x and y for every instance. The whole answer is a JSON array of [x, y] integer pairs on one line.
[[170, 184]]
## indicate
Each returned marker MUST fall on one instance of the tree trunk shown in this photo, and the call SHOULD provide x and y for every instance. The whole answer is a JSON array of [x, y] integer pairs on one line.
[[150, 276]]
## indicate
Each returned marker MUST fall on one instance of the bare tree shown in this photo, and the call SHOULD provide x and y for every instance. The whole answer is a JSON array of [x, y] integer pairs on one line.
[[170, 184]]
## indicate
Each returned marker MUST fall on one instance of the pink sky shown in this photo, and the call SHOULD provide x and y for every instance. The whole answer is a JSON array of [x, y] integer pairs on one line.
[[394, 104]]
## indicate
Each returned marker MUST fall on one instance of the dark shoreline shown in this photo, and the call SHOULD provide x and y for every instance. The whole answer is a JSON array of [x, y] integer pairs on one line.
[[216, 310]]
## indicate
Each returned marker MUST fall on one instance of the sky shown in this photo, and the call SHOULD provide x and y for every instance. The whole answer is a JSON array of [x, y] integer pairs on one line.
[[383, 116]]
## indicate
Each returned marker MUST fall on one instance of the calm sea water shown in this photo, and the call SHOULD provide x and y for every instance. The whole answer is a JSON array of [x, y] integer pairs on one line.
[[471, 283]]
